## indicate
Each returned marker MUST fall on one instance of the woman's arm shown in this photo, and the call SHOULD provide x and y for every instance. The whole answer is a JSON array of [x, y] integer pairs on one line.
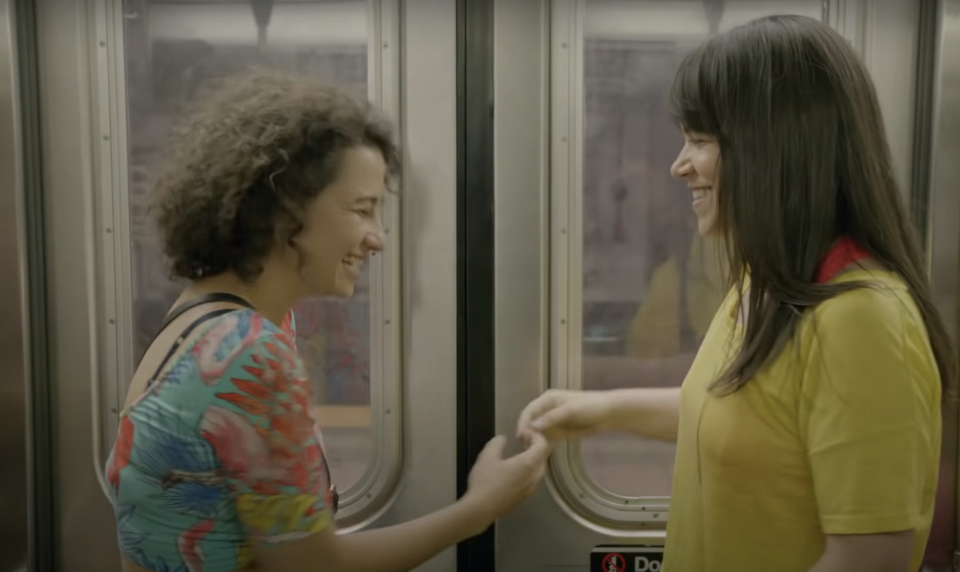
[[889, 552], [651, 410], [653, 413], [495, 486], [392, 549], [645, 403], [271, 453], [869, 414]]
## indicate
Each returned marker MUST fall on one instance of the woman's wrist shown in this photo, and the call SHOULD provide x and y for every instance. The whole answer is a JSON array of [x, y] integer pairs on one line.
[[476, 512]]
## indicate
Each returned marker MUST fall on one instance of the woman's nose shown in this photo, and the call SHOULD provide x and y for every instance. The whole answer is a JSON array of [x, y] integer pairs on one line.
[[680, 167], [374, 239]]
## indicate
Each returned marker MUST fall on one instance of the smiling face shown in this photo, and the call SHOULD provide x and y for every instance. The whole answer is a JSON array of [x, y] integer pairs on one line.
[[699, 165], [343, 225]]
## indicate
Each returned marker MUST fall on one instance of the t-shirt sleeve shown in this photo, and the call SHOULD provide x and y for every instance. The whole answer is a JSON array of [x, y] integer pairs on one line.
[[262, 429], [869, 414]]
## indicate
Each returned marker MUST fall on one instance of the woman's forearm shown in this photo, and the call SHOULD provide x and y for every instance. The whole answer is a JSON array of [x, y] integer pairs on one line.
[[651, 412], [644, 394], [405, 546]]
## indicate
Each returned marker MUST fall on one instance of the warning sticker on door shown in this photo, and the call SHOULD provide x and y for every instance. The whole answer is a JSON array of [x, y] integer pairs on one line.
[[626, 558]]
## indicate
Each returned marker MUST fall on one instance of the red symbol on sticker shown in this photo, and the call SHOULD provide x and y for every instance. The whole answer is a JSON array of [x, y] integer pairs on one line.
[[614, 563]]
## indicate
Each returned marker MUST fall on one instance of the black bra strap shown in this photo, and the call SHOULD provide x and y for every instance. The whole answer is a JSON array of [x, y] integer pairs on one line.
[[200, 301], [182, 337], [189, 305]]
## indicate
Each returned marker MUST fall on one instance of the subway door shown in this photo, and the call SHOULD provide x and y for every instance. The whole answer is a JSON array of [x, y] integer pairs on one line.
[[16, 263], [600, 274], [937, 172], [382, 363]]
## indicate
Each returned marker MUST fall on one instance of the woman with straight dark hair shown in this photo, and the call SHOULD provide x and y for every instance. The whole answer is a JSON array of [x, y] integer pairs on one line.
[[808, 427]]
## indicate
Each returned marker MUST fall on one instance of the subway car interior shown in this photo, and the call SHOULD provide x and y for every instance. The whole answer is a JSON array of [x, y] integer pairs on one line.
[[535, 215]]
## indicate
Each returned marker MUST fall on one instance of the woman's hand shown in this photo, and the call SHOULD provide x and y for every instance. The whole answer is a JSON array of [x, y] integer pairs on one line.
[[561, 414], [497, 485]]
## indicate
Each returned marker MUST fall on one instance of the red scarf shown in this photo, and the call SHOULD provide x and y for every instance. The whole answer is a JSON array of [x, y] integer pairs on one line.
[[844, 253]]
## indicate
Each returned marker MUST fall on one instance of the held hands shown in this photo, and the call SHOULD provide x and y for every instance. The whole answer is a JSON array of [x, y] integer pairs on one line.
[[497, 484], [561, 414]]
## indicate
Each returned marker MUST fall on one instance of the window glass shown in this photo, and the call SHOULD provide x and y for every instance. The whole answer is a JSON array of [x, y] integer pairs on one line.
[[651, 285], [171, 50]]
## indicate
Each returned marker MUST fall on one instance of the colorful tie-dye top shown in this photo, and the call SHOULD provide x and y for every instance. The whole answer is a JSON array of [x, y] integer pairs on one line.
[[223, 448]]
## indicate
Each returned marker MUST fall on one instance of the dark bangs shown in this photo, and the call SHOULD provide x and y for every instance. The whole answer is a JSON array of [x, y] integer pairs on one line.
[[691, 98]]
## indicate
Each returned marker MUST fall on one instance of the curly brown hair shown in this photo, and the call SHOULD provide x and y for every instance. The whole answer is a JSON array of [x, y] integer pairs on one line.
[[259, 147]]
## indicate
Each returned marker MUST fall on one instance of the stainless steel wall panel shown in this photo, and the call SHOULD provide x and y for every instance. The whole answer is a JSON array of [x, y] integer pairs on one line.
[[944, 251], [14, 370], [84, 522]]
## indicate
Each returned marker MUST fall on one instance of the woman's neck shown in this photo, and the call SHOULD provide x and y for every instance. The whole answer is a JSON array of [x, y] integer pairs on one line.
[[270, 296]]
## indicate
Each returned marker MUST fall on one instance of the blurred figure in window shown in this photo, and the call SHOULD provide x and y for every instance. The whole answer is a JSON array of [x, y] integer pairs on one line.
[[684, 289]]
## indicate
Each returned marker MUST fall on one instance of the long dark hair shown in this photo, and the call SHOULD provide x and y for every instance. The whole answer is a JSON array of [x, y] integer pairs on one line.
[[804, 161]]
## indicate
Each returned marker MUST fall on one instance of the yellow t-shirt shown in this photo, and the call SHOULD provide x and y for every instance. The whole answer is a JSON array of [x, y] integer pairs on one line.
[[839, 435]]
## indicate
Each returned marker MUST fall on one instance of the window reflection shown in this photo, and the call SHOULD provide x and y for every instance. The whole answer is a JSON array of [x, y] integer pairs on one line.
[[171, 50], [651, 285]]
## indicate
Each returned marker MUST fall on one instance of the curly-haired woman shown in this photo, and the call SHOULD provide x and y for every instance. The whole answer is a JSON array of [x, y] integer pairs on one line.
[[273, 194]]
